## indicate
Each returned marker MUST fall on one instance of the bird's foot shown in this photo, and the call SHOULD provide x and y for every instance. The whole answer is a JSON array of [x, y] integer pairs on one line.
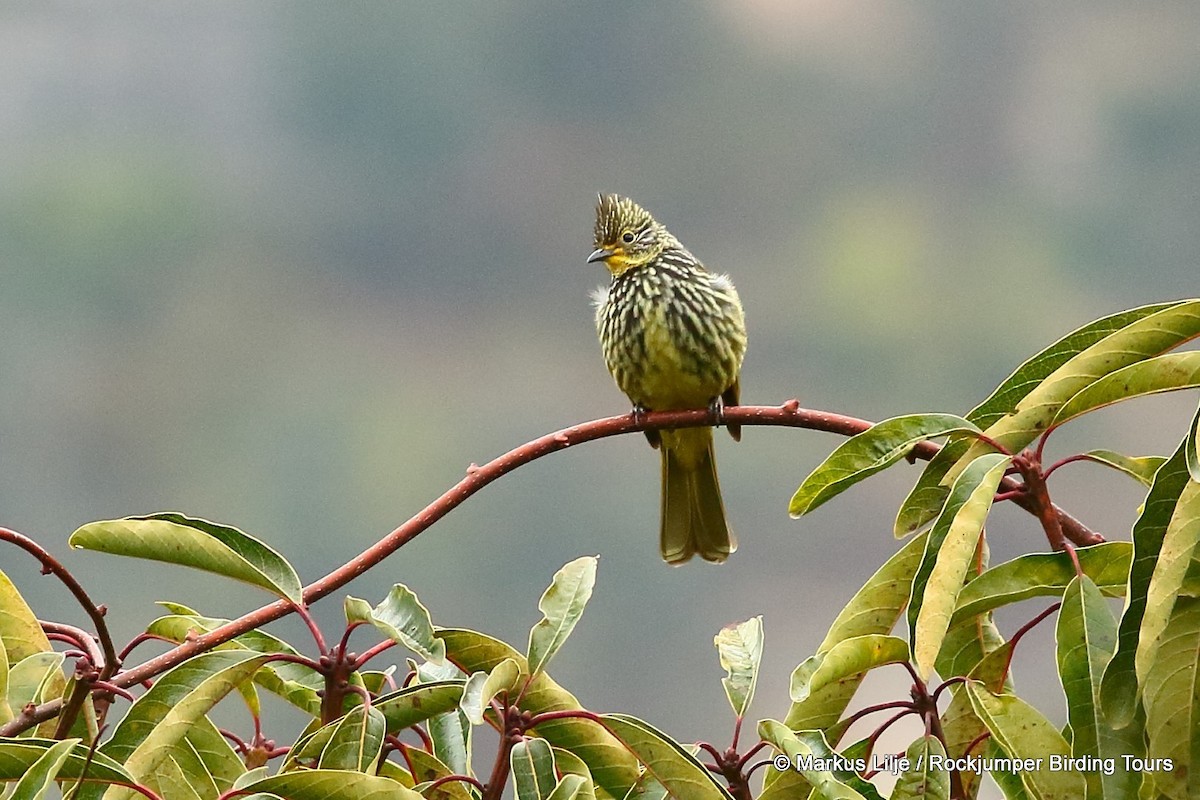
[[638, 413], [716, 409]]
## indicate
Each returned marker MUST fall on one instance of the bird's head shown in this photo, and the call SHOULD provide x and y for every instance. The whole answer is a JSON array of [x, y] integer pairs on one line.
[[626, 235]]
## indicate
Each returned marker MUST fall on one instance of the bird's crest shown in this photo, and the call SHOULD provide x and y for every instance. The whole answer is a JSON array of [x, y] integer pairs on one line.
[[615, 215]]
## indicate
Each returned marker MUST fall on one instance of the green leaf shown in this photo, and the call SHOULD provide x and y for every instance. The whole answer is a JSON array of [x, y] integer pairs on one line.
[[848, 658], [1086, 634], [294, 682], [1044, 575], [958, 528], [561, 605], [356, 740], [427, 769], [34, 679], [739, 648], [874, 609], [971, 648], [333, 784], [406, 707], [1192, 447], [1144, 337], [1025, 734], [1178, 548], [6, 713], [869, 452], [1172, 697], [1119, 690], [482, 687], [43, 772], [807, 761], [1033, 372], [176, 539], [532, 763], [571, 787], [613, 768], [158, 722], [927, 497], [925, 501], [401, 618], [568, 763], [17, 757], [1165, 373], [921, 781], [1140, 468], [665, 759], [19, 628]]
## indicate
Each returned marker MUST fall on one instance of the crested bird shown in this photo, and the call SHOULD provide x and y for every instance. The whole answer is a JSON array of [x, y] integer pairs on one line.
[[673, 336]]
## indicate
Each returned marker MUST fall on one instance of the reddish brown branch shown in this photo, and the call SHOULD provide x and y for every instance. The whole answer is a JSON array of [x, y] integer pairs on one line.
[[51, 566], [790, 414]]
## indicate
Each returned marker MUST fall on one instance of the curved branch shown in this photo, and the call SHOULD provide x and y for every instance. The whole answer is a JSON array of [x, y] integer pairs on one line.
[[51, 566], [790, 414]]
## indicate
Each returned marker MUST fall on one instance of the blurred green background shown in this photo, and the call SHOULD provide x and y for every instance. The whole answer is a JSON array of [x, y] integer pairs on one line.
[[294, 266]]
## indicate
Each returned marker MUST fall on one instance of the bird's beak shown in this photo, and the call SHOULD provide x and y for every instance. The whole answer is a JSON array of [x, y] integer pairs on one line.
[[600, 254]]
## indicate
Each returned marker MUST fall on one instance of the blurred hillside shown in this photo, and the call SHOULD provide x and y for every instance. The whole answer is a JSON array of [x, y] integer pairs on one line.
[[293, 267]]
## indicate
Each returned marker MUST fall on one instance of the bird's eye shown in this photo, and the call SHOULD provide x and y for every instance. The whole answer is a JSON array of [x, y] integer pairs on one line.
[[627, 237]]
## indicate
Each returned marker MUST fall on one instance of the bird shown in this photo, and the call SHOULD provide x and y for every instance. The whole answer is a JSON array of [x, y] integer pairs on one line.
[[673, 336]]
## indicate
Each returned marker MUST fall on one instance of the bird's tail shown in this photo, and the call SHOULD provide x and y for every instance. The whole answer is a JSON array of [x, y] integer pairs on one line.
[[693, 515]]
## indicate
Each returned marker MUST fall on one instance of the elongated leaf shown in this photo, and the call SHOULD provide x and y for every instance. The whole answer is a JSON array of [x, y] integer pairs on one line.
[[356, 740], [1140, 468], [561, 605], [401, 618], [806, 761], [17, 757], [968, 647], [962, 522], [176, 539], [874, 609], [571, 787], [34, 679], [1086, 634], [668, 761], [202, 765], [22, 637], [739, 648], [1044, 575], [19, 628], [922, 781], [925, 501], [567, 763], [1025, 734], [1030, 374], [1179, 546], [40, 777], [427, 769], [869, 452], [841, 764], [532, 764], [6, 712], [294, 682], [1165, 373], [160, 719], [849, 657], [1144, 338], [333, 784], [482, 687], [1172, 697], [928, 496], [1191, 447], [1119, 689], [613, 768], [406, 707]]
